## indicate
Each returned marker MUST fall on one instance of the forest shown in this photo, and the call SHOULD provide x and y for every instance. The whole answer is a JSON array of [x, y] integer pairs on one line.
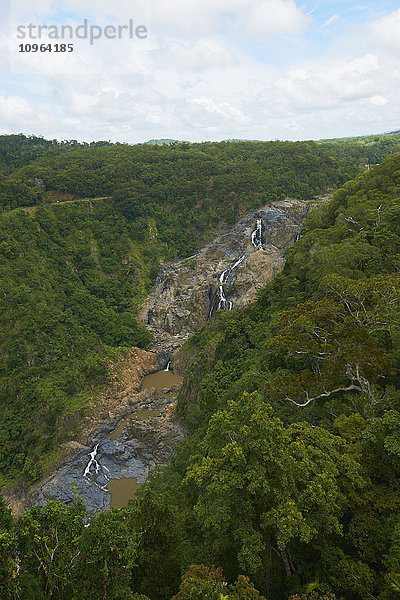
[[288, 483], [73, 270]]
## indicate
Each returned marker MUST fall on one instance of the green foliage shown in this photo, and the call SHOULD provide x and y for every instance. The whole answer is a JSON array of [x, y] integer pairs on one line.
[[290, 474], [108, 555], [262, 487], [51, 554], [202, 583], [71, 279], [73, 270], [9, 561], [48, 551], [160, 544], [322, 346], [189, 190], [208, 583], [313, 596]]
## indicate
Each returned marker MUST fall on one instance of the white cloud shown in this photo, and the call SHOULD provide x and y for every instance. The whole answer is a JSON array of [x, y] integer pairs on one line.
[[256, 18], [331, 20], [379, 100], [15, 108], [204, 54], [386, 30], [275, 18], [197, 78]]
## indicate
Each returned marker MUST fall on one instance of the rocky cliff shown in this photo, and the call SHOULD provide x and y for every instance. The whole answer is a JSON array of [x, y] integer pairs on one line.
[[225, 274]]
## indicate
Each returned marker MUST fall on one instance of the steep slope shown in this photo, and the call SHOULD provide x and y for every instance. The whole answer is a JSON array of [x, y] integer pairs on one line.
[[224, 274], [71, 278], [74, 271], [355, 236], [290, 474]]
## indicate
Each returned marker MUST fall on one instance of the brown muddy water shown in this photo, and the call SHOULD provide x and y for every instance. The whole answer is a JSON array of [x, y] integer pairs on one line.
[[160, 380], [124, 489], [142, 414]]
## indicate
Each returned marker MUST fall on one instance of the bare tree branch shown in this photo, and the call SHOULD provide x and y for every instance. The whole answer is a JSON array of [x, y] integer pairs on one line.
[[325, 395]]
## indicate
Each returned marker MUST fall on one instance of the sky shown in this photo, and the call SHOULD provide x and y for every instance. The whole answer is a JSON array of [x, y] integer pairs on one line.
[[200, 69]]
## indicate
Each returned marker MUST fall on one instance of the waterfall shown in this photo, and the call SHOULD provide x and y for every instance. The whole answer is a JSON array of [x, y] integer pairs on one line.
[[168, 366], [219, 301], [223, 303], [256, 236], [98, 469], [92, 461]]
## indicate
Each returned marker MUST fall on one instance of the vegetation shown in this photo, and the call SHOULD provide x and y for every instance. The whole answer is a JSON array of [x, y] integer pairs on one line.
[[73, 270], [317, 358], [288, 484], [70, 280]]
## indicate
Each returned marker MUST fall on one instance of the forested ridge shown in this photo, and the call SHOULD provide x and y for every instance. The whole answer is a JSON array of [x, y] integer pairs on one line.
[[73, 273], [289, 480]]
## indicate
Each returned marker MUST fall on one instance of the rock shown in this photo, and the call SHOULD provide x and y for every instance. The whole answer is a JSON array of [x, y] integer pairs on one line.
[[142, 445], [179, 303]]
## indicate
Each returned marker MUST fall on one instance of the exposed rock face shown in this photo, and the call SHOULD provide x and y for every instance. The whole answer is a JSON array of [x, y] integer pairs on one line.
[[184, 291], [141, 444], [120, 399], [185, 294]]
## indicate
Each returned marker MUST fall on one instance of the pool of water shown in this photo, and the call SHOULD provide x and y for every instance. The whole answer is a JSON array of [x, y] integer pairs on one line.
[[161, 380], [142, 414], [122, 490]]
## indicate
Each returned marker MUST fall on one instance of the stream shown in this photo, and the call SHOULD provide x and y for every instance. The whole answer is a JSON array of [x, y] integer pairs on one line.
[[219, 300], [110, 473]]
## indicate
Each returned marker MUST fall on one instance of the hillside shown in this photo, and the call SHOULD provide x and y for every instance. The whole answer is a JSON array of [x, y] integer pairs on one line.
[[319, 354], [73, 271], [289, 477]]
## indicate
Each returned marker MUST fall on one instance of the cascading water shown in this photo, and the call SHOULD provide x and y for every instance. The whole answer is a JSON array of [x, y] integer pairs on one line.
[[219, 296], [223, 303], [219, 301], [256, 236], [93, 462]]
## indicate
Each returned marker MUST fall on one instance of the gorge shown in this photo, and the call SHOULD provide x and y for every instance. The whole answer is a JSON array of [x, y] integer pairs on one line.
[[106, 468]]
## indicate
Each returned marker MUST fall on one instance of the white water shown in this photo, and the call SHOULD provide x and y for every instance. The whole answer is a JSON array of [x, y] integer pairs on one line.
[[223, 303], [92, 461], [168, 366], [237, 263], [256, 236]]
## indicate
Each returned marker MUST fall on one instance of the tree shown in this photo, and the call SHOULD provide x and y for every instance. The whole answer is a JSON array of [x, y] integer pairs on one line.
[[9, 558], [208, 583], [108, 555], [48, 548], [263, 487], [332, 345]]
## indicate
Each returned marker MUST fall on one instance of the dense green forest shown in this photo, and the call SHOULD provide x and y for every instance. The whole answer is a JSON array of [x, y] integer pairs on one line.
[[288, 483], [73, 270]]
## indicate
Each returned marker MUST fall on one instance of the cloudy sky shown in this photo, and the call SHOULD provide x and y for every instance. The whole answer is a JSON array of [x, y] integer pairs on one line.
[[207, 70]]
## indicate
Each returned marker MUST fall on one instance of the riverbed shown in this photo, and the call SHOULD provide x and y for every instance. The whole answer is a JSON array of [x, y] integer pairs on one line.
[[109, 473]]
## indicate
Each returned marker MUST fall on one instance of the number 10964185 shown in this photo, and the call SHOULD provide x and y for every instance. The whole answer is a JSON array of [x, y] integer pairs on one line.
[[45, 48]]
